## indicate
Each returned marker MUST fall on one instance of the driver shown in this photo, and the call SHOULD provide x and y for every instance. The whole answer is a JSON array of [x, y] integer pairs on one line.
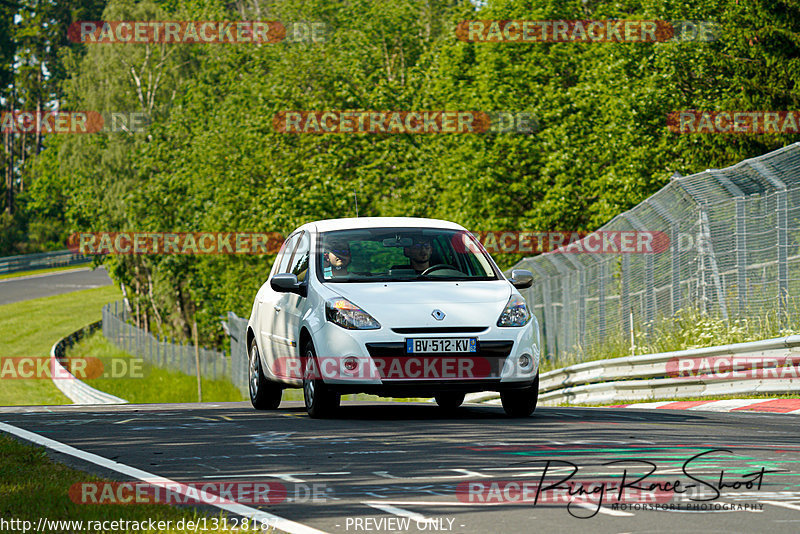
[[419, 253], [337, 258]]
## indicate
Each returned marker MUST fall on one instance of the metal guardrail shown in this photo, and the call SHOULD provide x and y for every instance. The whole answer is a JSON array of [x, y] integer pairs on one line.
[[647, 377], [44, 260], [77, 391]]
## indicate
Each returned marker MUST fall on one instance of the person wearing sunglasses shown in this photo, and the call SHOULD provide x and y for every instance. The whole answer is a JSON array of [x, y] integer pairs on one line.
[[337, 258]]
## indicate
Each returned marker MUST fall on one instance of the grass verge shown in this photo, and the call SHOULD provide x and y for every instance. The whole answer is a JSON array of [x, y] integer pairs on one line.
[[34, 487], [30, 327], [150, 385]]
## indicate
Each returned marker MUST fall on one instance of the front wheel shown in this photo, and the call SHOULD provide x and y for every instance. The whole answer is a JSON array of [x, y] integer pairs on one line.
[[521, 402], [320, 401], [264, 394]]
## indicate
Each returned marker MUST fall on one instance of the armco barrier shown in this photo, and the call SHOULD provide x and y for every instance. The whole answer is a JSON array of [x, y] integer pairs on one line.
[[646, 377], [44, 260], [77, 391]]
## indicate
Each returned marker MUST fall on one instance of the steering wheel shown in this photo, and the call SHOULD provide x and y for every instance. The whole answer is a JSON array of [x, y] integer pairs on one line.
[[437, 267]]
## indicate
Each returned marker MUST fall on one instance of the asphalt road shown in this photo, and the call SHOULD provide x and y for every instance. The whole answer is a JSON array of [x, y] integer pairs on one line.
[[46, 285], [393, 461]]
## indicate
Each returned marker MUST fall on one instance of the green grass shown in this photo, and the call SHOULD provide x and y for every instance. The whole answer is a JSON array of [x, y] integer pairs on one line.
[[44, 271], [30, 327], [32, 486], [153, 385]]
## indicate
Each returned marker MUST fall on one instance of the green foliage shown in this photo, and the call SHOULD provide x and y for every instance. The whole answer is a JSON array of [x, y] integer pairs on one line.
[[211, 160]]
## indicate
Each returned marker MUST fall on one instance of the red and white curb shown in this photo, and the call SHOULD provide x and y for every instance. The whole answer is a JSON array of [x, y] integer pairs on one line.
[[787, 406]]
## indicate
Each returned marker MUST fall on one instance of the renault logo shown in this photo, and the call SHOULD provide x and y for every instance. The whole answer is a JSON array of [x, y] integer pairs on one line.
[[438, 315]]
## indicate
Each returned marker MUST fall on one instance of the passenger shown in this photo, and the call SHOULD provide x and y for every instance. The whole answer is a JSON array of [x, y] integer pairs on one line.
[[337, 258]]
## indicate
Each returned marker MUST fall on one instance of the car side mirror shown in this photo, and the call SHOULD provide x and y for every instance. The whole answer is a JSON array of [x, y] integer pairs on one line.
[[288, 283], [521, 278]]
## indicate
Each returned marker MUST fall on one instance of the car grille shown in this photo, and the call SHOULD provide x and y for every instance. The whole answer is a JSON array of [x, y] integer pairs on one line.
[[441, 330]]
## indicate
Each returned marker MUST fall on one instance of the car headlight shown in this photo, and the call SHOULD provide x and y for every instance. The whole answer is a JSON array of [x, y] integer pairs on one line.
[[344, 313], [515, 314]]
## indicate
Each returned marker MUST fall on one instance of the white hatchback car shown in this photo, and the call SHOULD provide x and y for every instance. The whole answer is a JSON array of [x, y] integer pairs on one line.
[[393, 306]]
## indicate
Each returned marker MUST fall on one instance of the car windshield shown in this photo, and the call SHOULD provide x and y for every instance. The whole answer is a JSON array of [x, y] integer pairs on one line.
[[402, 254]]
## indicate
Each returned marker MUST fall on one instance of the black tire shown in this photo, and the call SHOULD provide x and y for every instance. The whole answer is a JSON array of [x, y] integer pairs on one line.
[[264, 394], [449, 401], [320, 401], [521, 402]]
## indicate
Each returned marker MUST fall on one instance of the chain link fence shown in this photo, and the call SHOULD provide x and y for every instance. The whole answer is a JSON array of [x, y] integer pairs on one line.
[[168, 354], [733, 254]]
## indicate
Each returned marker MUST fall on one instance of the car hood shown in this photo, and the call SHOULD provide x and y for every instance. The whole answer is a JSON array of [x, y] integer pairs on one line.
[[478, 303]]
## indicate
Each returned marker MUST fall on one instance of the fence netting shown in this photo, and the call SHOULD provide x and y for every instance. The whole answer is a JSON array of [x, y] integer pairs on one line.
[[168, 354], [732, 254]]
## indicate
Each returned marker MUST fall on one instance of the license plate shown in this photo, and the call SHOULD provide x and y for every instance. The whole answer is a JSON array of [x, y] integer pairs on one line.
[[434, 345]]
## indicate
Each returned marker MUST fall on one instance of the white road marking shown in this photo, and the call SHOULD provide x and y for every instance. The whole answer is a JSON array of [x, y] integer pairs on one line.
[[465, 474], [388, 508], [224, 504], [286, 477]]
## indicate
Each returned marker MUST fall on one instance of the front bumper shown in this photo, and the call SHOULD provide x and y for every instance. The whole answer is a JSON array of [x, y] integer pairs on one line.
[[375, 361]]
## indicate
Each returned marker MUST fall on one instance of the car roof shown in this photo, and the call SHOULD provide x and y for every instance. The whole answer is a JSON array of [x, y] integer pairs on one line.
[[353, 223]]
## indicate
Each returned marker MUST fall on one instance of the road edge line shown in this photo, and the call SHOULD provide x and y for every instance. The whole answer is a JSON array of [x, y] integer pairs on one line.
[[274, 521]]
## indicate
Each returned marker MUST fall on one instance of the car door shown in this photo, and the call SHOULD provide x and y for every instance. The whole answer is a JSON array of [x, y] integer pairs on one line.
[[287, 328], [269, 304]]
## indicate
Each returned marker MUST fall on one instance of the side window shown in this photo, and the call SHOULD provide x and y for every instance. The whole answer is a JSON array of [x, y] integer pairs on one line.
[[285, 254], [298, 265]]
